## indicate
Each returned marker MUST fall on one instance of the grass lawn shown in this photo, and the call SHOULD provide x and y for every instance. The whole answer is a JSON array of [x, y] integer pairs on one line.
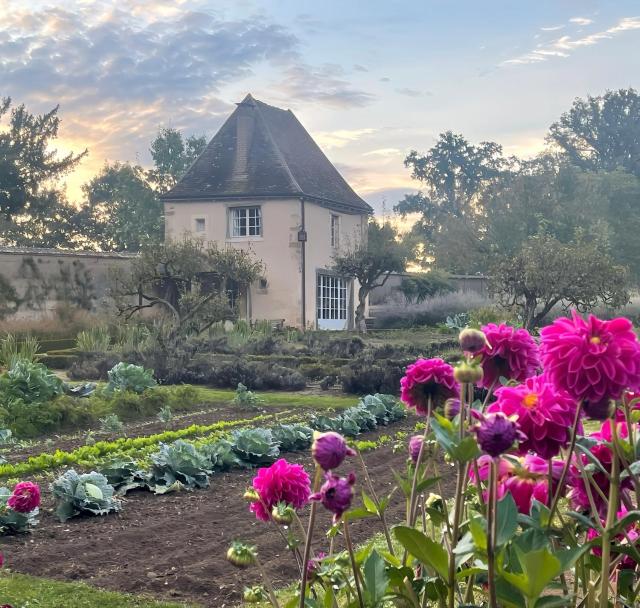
[[21, 591], [288, 399]]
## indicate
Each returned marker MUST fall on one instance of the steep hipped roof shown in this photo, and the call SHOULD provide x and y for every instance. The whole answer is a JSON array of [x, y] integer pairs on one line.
[[263, 151]]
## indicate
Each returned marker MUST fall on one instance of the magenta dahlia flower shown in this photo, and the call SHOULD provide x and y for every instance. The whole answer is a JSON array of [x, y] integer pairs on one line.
[[591, 360], [630, 535], [25, 497], [496, 434], [524, 490], [509, 352], [336, 494], [281, 482], [330, 449], [428, 380], [505, 467], [545, 414]]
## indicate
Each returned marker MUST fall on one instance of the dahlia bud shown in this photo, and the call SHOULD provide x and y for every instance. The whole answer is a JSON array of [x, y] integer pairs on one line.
[[451, 408], [330, 449], [241, 555], [434, 501], [336, 494], [254, 595], [282, 513], [472, 341], [251, 495], [600, 410], [467, 372], [496, 434], [415, 443]]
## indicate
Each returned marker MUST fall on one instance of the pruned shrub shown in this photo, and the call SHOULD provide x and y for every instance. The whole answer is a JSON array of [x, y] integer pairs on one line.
[[92, 366], [363, 376]]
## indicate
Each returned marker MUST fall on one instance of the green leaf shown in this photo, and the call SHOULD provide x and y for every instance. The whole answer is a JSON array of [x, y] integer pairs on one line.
[[369, 505], [467, 450], [375, 579], [539, 568], [506, 519], [93, 491], [426, 484], [423, 549], [477, 527]]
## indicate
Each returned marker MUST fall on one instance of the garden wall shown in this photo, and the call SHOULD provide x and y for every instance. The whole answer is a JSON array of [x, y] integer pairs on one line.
[[35, 282]]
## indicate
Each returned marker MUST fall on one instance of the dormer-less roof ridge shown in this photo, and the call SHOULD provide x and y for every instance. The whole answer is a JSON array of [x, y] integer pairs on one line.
[[262, 151]]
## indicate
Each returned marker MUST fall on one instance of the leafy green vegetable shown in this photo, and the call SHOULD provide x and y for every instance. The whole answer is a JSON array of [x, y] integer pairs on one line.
[[124, 475], [221, 455], [179, 465], [87, 493], [129, 377], [29, 382], [292, 437], [256, 446]]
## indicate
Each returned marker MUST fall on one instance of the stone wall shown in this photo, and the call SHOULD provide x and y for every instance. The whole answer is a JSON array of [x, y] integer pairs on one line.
[[36, 282]]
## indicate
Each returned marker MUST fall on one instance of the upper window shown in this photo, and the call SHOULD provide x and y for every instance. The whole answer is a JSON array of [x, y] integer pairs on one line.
[[245, 221], [335, 230], [200, 224]]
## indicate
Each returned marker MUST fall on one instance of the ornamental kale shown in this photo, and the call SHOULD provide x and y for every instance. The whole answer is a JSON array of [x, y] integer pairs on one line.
[[87, 493], [179, 465], [129, 377]]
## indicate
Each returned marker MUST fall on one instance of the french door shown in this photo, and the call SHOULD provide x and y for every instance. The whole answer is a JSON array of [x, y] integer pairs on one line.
[[331, 302]]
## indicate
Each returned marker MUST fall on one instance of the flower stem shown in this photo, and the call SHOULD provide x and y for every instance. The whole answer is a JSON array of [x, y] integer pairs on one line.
[[354, 565], [307, 544], [612, 510], [567, 464], [491, 533], [267, 582], [416, 473]]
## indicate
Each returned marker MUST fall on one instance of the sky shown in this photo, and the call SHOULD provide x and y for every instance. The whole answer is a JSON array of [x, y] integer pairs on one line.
[[369, 80]]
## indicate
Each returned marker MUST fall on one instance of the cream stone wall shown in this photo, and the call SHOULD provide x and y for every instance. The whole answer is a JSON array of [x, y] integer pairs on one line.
[[278, 248]]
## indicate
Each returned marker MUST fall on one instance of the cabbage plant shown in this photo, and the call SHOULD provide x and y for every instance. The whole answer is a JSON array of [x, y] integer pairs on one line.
[[221, 455], [292, 437], [256, 446], [179, 465], [86, 493], [29, 382], [128, 377], [124, 475]]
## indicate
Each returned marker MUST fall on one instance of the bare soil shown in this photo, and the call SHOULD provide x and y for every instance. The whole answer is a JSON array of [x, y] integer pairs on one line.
[[173, 546]]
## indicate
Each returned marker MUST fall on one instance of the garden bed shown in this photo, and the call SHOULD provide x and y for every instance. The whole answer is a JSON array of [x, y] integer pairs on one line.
[[182, 537]]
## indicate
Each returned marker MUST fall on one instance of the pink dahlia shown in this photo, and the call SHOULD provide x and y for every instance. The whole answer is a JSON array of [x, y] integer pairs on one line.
[[415, 445], [25, 497], [281, 482], [524, 490], [630, 534], [330, 449], [428, 380], [336, 494], [509, 352], [545, 415], [592, 360], [505, 467]]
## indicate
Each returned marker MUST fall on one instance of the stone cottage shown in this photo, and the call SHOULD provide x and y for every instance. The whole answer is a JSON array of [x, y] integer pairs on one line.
[[263, 184]]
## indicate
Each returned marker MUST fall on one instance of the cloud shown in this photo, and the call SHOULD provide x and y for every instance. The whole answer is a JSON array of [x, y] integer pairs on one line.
[[566, 45], [581, 20], [385, 79], [340, 138], [384, 152], [325, 84], [412, 92], [359, 68], [553, 28]]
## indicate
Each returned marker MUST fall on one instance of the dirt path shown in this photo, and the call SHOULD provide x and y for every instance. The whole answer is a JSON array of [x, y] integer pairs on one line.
[[173, 546]]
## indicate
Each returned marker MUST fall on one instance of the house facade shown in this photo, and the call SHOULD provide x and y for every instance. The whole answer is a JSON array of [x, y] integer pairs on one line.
[[264, 185]]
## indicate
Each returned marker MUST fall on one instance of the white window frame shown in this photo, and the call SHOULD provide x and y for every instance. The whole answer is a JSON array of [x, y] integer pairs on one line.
[[247, 218], [335, 230], [196, 223]]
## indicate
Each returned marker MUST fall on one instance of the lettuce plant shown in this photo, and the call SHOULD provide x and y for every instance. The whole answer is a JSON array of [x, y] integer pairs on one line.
[[178, 465], [129, 377], [256, 446], [13, 522], [86, 493]]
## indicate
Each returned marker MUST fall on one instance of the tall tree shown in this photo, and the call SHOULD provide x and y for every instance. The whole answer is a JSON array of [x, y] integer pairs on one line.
[[33, 209], [172, 155], [602, 133], [454, 173], [371, 261], [123, 211]]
